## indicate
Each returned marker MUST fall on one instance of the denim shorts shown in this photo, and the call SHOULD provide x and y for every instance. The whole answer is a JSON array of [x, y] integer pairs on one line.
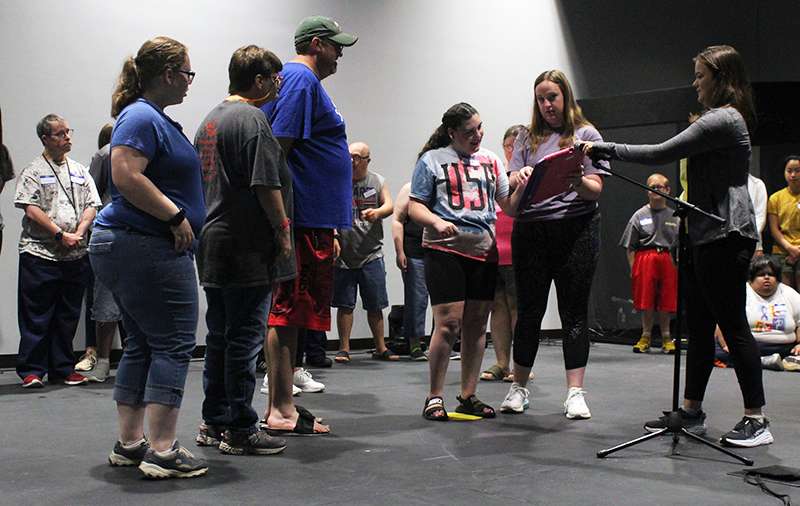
[[156, 288], [370, 279]]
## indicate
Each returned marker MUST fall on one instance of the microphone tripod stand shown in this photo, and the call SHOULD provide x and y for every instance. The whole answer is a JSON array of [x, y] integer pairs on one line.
[[674, 421]]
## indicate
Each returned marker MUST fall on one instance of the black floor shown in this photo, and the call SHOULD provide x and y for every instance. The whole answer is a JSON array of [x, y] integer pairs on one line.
[[55, 441]]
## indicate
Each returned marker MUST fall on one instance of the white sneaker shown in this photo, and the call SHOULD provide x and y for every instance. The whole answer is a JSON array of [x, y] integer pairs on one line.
[[575, 406], [265, 387], [305, 382], [516, 400], [87, 361], [100, 372], [772, 362]]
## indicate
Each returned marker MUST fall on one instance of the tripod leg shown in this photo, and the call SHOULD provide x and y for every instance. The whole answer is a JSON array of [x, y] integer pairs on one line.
[[642, 439], [743, 460]]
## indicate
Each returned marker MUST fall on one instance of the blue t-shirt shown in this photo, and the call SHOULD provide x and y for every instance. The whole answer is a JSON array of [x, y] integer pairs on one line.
[[174, 168], [319, 159]]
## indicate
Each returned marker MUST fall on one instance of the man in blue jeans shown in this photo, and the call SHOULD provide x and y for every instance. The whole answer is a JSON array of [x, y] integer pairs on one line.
[[245, 246], [359, 265]]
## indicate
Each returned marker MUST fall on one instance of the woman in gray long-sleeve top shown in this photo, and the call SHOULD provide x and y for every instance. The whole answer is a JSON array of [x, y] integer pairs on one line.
[[718, 147]]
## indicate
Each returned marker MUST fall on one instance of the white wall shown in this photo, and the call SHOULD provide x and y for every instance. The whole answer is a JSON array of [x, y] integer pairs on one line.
[[413, 60]]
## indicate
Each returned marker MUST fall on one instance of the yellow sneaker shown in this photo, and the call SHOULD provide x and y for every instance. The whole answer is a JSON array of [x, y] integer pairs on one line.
[[668, 346], [642, 345]]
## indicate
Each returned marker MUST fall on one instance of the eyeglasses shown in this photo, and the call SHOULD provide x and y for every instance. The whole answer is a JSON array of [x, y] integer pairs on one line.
[[337, 47], [189, 74], [508, 145], [357, 158], [63, 134]]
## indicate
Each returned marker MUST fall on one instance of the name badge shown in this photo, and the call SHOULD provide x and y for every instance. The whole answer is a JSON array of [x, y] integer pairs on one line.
[[369, 192], [47, 179], [78, 179], [646, 221]]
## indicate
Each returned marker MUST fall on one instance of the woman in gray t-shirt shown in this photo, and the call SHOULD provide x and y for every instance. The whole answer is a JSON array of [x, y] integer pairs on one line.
[[718, 147]]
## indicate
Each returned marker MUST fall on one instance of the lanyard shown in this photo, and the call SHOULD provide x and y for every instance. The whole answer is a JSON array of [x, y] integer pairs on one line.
[[71, 187]]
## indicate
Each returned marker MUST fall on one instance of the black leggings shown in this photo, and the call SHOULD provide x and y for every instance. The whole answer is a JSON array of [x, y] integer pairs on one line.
[[716, 294], [564, 251]]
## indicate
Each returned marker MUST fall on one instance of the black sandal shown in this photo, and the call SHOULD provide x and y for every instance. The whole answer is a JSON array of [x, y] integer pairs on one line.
[[473, 406], [432, 405]]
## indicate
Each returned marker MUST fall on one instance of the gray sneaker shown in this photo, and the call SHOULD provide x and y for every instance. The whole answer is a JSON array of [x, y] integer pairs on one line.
[[772, 362], [209, 435], [256, 443], [791, 363], [516, 400], [177, 463], [122, 456]]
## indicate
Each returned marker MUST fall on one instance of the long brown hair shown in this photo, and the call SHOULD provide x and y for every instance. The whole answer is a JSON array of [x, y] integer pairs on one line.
[[573, 115], [154, 57], [731, 86], [454, 117]]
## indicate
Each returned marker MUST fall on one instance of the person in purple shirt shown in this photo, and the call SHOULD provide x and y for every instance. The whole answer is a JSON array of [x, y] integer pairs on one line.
[[141, 249]]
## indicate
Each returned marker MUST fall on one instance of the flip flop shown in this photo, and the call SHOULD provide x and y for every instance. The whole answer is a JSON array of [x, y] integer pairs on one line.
[[494, 373], [385, 356], [303, 427], [342, 357]]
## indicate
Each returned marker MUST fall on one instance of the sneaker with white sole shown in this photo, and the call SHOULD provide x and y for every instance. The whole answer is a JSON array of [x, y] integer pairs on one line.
[[255, 443], [305, 382], [177, 462], [128, 455], [575, 406], [100, 372], [265, 387], [692, 422], [209, 435], [772, 362], [791, 363], [516, 400], [749, 432], [87, 361]]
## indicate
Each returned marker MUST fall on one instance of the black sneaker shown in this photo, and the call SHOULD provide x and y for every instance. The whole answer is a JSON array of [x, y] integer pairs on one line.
[[256, 443], [749, 432], [696, 424], [209, 435], [322, 362], [178, 463], [417, 355], [121, 456]]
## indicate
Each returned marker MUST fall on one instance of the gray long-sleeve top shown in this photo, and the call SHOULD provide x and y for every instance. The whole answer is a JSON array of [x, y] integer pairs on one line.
[[718, 148]]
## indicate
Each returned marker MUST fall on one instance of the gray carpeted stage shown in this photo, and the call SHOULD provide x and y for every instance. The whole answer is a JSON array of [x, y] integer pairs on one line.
[[55, 442]]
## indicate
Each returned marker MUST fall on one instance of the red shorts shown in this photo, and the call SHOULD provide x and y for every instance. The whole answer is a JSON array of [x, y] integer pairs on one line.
[[654, 281], [305, 301]]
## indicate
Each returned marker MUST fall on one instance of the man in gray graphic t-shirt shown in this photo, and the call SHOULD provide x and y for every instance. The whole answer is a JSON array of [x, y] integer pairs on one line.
[[360, 262]]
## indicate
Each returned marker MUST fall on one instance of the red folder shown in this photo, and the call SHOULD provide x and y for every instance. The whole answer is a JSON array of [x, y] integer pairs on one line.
[[550, 176]]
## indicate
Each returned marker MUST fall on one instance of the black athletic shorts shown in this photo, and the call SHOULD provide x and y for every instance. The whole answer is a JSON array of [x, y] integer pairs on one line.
[[456, 278]]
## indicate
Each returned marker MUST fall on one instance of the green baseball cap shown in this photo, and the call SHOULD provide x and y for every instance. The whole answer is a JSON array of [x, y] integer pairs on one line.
[[324, 28]]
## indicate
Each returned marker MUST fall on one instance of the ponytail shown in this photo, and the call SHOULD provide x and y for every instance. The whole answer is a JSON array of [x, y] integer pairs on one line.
[[454, 117], [128, 87]]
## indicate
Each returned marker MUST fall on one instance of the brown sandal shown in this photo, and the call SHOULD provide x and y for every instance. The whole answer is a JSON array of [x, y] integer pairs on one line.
[[432, 405]]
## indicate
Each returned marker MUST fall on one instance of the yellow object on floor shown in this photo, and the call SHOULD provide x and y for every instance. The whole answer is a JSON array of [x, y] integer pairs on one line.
[[462, 417]]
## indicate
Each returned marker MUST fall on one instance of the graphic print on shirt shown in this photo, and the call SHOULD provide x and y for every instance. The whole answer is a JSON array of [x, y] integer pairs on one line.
[[773, 317], [207, 144], [471, 187], [364, 197]]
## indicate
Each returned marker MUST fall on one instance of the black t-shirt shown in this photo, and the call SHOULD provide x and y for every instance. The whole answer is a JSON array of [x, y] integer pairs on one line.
[[238, 153]]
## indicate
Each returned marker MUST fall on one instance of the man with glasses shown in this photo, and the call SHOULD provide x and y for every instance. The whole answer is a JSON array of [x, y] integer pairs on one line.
[[60, 202], [312, 134], [649, 237], [245, 246], [360, 267]]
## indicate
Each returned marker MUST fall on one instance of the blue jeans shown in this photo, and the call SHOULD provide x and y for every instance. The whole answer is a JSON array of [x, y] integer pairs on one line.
[[156, 289], [416, 298], [237, 323]]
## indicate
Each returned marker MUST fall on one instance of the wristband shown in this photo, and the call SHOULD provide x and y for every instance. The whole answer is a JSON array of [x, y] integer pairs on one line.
[[59, 235], [177, 219]]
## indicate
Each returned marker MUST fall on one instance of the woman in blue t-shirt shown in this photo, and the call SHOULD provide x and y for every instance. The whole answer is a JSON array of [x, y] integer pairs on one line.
[[141, 249], [453, 193]]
